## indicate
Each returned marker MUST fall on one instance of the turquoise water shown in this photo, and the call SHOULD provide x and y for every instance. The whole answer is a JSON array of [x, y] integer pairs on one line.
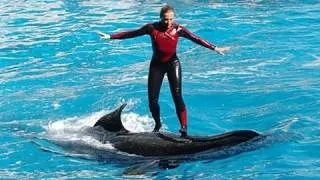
[[57, 78]]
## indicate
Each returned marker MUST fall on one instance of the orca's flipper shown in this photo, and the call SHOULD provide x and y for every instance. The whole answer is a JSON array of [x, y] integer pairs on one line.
[[168, 164], [151, 167], [142, 168], [112, 121]]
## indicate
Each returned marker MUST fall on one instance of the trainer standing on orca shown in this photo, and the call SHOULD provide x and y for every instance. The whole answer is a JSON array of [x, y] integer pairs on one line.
[[164, 35]]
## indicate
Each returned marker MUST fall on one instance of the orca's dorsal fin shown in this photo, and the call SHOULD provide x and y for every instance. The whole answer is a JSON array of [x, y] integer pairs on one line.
[[112, 121]]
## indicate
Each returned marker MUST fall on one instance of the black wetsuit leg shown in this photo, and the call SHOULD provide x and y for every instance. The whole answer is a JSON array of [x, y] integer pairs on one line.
[[156, 74], [174, 78]]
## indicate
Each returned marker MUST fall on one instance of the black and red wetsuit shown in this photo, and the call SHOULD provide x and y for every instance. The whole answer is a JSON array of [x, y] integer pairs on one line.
[[165, 60]]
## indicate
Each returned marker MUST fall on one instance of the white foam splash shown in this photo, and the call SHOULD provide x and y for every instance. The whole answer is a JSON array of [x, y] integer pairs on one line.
[[72, 130], [137, 123], [75, 123]]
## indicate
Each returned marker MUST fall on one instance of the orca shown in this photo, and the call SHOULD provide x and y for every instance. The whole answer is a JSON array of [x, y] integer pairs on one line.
[[149, 144]]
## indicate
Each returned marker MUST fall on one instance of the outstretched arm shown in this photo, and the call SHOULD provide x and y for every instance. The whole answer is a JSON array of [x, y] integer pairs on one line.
[[189, 35], [126, 34]]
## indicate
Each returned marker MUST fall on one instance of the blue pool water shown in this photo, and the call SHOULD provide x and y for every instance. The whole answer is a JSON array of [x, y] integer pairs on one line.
[[58, 77]]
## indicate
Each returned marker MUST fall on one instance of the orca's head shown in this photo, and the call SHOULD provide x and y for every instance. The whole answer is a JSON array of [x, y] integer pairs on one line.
[[112, 121]]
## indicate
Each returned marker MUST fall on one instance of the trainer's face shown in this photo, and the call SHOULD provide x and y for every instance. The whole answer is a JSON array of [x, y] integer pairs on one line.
[[168, 19]]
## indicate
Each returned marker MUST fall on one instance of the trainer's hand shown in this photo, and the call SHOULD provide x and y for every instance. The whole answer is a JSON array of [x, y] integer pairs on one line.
[[221, 50], [104, 35]]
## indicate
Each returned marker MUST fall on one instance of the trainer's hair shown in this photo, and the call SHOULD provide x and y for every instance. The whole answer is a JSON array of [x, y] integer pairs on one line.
[[165, 9]]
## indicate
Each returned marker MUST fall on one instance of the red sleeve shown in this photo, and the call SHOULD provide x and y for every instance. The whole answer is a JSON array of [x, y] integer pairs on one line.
[[131, 34], [189, 35]]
